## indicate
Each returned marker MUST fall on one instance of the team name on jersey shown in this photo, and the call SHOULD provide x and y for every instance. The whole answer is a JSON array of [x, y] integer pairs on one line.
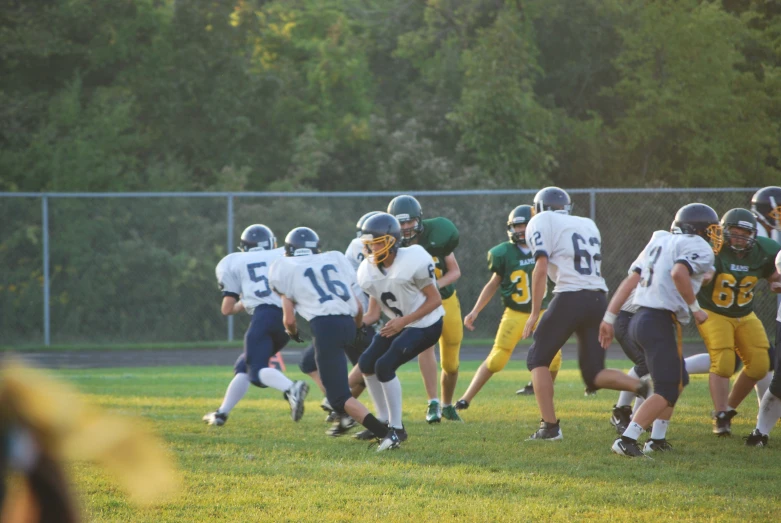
[[739, 268], [528, 261]]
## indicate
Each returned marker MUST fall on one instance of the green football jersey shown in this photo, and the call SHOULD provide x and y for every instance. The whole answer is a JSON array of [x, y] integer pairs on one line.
[[515, 268], [439, 238], [731, 292]]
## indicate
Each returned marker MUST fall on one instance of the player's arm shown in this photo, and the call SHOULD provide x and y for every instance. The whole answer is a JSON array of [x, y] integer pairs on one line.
[[433, 300], [623, 292], [372, 315], [539, 281], [231, 305], [359, 316], [683, 283], [486, 294], [452, 273], [289, 318]]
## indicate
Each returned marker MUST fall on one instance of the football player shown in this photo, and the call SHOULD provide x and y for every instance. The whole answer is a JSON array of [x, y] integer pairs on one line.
[[308, 365], [770, 406], [511, 263], [402, 284], [439, 237], [665, 277], [243, 279], [733, 327], [568, 249], [322, 288]]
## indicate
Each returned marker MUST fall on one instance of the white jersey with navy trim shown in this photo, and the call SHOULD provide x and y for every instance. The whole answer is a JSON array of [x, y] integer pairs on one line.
[[355, 256], [778, 268], [245, 274], [657, 289], [320, 284], [573, 246], [774, 235], [629, 305], [399, 288]]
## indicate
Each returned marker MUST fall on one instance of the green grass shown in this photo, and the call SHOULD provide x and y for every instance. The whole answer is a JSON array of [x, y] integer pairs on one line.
[[263, 467]]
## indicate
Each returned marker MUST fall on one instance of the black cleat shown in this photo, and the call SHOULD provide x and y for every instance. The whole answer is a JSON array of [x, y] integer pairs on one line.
[[644, 389], [402, 434], [722, 422], [756, 439], [341, 426], [462, 405], [215, 418], [621, 418], [627, 447], [365, 435], [527, 390], [547, 432], [657, 445], [390, 441]]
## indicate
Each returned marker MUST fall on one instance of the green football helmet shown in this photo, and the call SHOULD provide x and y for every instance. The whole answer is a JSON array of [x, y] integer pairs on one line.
[[406, 209], [521, 214], [743, 219]]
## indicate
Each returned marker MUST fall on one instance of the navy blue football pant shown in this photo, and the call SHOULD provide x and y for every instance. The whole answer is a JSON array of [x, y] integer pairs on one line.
[[658, 333], [385, 355], [631, 349], [265, 337], [353, 352], [330, 337], [578, 312], [775, 385]]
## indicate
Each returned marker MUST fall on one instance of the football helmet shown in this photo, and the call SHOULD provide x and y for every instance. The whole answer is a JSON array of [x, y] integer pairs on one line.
[[701, 220], [257, 237], [381, 229], [552, 199], [766, 205], [406, 209], [521, 214], [362, 220], [302, 241], [744, 219]]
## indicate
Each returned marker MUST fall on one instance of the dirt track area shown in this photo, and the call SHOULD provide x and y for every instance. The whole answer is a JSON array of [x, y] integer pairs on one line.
[[87, 359]]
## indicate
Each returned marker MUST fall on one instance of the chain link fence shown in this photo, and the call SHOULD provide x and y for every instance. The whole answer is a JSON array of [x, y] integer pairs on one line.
[[139, 268]]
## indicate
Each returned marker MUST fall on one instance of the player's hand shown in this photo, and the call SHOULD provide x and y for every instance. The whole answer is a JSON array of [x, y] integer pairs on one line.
[[606, 333], [295, 336], [775, 286], [700, 317], [469, 320], [360, 334], [393, 327], [528, 329]]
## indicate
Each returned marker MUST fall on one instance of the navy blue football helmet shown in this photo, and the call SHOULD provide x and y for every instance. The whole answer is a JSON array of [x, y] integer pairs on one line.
[[362, 220], [257, 237], [302, 241], [552, 199]]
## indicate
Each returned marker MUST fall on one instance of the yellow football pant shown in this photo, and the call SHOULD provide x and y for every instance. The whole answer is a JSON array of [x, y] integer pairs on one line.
[[508, 336], [452, 334], [724, 337]]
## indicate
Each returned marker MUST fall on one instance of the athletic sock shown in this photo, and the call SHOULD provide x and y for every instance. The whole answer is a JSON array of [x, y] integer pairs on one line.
[[237, 388], [275, 379]]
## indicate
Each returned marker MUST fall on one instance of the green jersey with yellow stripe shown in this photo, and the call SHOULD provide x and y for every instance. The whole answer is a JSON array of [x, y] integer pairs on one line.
[[515, 268], [731, 292], [439, 238]]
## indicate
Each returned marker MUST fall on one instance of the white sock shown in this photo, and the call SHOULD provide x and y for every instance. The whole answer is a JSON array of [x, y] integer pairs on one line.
[[378, 397], [659, 430], [762, 386], [237, 388], [625, 398], [392, 390], [432, 400], [633, 431], [274, 379], [730, 409], [769, 412], [639, 401], [698, 364]]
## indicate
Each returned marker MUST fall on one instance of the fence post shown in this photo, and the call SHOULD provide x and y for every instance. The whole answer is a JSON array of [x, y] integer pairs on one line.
[[592, 203], [230, 249], [47, 335]]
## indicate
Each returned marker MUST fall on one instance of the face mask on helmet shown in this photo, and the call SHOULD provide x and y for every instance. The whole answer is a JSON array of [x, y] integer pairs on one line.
[[378, 248], [409, 229]]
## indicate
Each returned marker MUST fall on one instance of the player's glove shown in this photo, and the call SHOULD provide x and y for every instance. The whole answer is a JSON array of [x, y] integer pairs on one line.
[[296, 337], [361, 333]]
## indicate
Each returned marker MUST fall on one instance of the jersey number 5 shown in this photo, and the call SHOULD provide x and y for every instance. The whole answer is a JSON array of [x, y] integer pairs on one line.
[[255, 277]]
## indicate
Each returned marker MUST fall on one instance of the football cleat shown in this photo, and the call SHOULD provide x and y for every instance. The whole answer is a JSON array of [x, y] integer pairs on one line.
[[644, 390], [215, 418], [462, 405], [722, 422], [433, 412], [756, 439], [657, 445], [296, 396], [547, 432], [621, 417], [449, 413], [589, 392], [390, 441], [527, 390], [628, 447], [402, 434], [332, 414], [342, 426], [365, 435]]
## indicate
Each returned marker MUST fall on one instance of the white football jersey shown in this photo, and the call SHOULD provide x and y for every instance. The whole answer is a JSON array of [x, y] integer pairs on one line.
[[245, 274], [778, 268], [573, 246], [399, 288], [320, 284], [656, 288], [355, 256], [630, 305]]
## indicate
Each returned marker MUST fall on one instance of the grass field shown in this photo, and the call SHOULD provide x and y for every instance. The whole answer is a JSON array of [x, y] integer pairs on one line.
[[263, 467]]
